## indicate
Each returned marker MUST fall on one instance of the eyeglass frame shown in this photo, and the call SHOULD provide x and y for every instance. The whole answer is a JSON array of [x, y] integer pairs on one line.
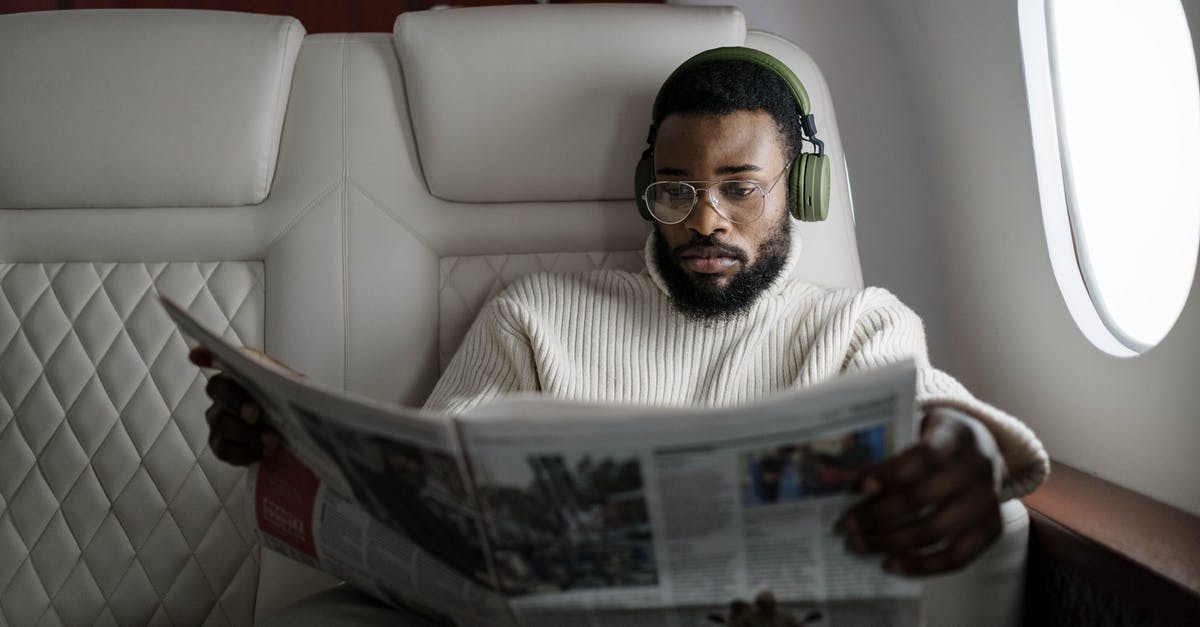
[[696, 195]]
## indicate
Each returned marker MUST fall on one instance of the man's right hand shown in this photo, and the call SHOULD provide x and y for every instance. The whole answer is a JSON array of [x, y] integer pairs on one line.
[[238, 429]]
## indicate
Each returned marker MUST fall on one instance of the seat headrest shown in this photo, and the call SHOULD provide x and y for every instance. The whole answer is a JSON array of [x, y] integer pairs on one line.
[[142, 108], [543, 103]]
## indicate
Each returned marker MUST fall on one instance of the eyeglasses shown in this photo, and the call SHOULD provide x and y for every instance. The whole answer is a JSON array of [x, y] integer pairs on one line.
[[736, 200]]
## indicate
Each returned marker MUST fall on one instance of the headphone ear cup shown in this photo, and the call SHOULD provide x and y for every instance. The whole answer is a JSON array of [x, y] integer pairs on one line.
[[809, 181], [643, 176]]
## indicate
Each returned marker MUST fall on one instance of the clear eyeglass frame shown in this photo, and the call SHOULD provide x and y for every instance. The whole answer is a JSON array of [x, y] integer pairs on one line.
[[724, 205]]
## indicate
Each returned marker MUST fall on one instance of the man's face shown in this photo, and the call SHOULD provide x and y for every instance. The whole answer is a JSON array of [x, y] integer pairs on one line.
[[714, 267]]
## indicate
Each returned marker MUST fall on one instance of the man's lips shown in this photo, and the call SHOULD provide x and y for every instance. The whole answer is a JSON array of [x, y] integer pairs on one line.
[[708, 259]]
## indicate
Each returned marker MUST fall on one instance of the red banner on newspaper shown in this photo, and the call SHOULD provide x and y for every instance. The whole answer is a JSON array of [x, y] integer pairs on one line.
[[284, 499]]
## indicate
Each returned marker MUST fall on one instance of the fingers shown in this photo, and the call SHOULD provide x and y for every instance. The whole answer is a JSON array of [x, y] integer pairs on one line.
[[921, 482], [233, 440], [956, 516], [202, 357], [233, 398], [930, 509], [237, 432], [956, 555], [937, 447], [262, 357]]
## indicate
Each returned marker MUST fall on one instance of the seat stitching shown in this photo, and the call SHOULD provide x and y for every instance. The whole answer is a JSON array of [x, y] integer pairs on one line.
[[382, 208], [345, 215], [291, 224]]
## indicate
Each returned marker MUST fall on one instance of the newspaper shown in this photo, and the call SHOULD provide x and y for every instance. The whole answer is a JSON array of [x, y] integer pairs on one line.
[[530, 511]]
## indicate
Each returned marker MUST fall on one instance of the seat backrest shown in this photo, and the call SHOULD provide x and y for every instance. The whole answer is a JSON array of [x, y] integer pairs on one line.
[[138, 149], [528, 122], [353, 228]]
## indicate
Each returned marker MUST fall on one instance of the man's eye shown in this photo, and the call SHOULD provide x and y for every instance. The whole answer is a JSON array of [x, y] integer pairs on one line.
[[678, 191], [737, 189]]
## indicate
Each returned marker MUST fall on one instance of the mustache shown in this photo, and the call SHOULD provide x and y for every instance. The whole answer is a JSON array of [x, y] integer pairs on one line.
[[708, 243]]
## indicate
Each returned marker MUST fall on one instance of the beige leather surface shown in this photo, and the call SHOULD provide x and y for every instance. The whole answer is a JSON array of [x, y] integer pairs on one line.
[[142, 108], [112, 508], [544, 102]]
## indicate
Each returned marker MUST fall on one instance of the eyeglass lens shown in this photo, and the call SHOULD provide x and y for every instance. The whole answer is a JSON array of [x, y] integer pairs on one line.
[[739, 201]]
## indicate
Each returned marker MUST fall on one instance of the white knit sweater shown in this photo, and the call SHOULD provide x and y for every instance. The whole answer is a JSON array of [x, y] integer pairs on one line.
[[612, 336]]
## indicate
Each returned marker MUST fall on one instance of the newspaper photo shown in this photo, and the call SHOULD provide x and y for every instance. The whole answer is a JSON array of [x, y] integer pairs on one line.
[[534, 511], [639, 508]]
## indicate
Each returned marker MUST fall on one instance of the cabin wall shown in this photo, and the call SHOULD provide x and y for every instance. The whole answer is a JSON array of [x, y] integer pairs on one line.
[[958, 233], [898, 224], [1134, 421]]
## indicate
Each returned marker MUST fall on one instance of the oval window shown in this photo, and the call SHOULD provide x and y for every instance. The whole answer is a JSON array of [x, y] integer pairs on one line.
[[1125, 124]]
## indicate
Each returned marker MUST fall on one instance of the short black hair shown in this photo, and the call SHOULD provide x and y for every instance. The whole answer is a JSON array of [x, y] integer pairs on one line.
[[725, 86]]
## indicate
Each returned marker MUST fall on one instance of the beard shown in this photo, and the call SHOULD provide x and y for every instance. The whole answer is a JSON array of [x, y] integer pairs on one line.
[[701, 297]]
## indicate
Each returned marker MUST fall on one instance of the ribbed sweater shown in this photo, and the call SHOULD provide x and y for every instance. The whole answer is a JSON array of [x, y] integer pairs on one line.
[[613, 337]]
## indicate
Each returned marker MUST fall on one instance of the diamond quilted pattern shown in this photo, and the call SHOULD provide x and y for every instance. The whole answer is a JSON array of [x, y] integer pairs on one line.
[[109, 555], [466, 283], [79, 600], [83, 501], [112, 509]]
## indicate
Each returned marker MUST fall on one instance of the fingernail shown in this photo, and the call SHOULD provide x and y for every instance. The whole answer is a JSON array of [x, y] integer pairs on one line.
[[250, 413]]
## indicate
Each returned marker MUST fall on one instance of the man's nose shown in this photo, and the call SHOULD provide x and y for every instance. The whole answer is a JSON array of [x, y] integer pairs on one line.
[[704, 218]]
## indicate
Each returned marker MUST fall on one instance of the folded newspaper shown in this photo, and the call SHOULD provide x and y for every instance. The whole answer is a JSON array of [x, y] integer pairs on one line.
[[529, 511]]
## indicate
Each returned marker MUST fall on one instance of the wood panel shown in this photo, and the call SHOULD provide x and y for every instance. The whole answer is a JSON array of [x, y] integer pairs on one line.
[[1133, 548], [318, 16]]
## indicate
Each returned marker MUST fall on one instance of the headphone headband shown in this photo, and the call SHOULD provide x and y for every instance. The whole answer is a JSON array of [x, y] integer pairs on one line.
[[750, 55]]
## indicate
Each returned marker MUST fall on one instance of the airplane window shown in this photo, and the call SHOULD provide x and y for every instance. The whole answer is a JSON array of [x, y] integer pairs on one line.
[[1115, 111]]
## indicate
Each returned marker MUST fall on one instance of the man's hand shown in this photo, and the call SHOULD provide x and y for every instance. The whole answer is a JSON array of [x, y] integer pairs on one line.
[[931, 509], [238, 430]]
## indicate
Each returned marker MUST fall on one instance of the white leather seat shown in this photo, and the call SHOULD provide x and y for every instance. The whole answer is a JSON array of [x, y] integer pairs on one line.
[[355, 236], [139, 156]]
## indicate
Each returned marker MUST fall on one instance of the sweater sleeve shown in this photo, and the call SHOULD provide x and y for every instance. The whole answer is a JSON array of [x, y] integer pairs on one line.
[[887, 331], [495, 359]]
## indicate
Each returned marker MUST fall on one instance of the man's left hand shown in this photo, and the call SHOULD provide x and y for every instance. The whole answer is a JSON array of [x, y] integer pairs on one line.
[[931, 509]]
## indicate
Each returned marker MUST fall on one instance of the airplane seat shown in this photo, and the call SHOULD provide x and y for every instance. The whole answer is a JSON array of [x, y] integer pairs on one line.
[[347, 201], [139, 157]]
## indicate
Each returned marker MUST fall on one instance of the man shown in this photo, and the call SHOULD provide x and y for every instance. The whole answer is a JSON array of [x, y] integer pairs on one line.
[[717, 319]]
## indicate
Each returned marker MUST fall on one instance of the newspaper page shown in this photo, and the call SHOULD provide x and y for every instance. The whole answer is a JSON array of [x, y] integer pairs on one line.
[[368, 492], [298, 516], [622, 511], [612, 515]]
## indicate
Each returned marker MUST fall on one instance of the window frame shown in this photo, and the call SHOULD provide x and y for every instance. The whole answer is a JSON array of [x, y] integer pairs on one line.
[[1068, 250]]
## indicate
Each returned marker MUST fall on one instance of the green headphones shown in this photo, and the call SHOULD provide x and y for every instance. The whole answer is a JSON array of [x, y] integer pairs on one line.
[[808, 180]]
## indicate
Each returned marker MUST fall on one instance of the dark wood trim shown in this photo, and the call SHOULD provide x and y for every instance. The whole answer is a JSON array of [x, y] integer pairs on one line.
[[1135, 548]]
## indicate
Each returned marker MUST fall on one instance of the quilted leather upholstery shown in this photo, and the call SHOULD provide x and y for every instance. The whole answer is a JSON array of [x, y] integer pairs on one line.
[[112, 508]]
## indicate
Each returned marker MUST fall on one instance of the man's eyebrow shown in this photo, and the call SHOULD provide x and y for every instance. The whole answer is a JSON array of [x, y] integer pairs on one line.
[[728, 169], [738, 169]]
